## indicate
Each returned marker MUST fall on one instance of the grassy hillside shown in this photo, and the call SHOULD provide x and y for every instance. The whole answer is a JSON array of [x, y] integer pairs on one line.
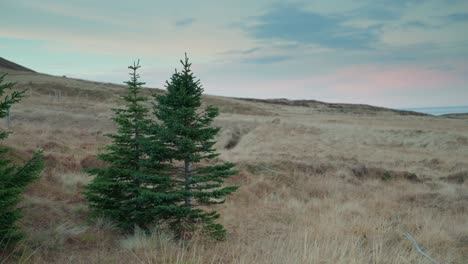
[[320, 183], [9, 65], [458, 116]]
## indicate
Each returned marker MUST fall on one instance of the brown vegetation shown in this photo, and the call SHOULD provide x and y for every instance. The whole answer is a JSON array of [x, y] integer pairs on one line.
[[316, 186]]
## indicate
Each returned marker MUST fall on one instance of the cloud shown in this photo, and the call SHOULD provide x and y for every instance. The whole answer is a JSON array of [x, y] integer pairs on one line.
[[338, 50], [372, 79], [184, 22], [456, 17], [298, 25], [383, 10], [416, 24], [385, 85], [267, 59], [252, 50], [441, 67]]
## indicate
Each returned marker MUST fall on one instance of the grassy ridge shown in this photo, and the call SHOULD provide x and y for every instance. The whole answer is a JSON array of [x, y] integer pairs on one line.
[[317, 185]]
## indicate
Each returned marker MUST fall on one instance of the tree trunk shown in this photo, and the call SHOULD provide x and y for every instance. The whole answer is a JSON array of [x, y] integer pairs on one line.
[[8, 118], [187, 183]]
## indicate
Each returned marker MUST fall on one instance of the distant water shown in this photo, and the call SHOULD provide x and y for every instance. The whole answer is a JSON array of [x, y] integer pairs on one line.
[[440, 110]]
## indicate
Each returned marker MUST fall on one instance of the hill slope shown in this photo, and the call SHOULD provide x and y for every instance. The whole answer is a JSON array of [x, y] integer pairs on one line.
[[69, 86], [337, 107], [456, 116], [6, 64], [319, 183]]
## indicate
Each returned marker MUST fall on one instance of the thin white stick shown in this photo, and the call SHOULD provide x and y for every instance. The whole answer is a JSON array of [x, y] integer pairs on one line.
[[418, 248]]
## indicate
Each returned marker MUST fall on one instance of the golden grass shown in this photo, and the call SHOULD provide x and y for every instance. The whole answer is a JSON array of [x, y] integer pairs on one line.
[[316, 186]]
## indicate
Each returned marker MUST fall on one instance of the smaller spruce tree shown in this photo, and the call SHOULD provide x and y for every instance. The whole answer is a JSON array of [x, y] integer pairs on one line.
[[133, 189], [188, 135], [13, 178]]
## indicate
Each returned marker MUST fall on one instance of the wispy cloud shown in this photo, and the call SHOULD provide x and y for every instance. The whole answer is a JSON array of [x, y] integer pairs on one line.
[[382, 10], [252, 50], [267, 59], [456, 17], [367, 79], [416, 24], [184, 22], [442, 67]]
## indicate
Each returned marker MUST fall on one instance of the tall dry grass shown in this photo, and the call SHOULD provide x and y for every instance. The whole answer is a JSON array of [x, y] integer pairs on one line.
[[316, 187]]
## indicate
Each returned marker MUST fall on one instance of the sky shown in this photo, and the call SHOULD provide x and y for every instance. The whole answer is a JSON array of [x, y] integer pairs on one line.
[[392, 53]]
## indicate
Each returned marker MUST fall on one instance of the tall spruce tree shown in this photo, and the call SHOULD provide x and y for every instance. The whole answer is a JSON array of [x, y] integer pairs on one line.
[[134, 189], [188, 135], [13, 179]]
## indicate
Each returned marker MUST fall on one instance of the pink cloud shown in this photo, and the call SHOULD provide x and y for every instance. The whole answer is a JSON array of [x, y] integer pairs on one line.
[[369, 79], [389, 85]]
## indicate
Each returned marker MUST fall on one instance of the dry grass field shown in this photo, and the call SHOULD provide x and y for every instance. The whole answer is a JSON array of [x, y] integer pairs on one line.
[[319, 183]]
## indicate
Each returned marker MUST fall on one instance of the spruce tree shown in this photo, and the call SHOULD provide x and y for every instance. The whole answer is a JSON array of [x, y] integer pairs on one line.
[[134, 188], [13, 179], [188, 135]]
